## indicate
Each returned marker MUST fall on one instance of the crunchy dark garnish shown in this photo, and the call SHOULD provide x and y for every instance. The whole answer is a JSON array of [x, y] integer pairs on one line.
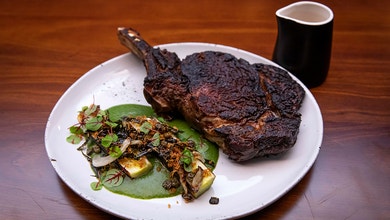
[[214, 200], [121, 147]]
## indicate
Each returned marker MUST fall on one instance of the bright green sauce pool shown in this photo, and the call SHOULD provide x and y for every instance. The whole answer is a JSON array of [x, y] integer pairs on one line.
[[150, 185]]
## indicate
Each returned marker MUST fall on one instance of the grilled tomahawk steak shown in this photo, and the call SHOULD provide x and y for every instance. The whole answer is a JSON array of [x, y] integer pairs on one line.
[[248, 110]]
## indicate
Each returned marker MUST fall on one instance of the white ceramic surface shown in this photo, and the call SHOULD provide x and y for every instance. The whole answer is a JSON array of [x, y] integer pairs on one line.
[[306, 12], [241, 188]]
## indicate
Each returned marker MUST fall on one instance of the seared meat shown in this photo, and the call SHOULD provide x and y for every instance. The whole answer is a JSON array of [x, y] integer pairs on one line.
[[248, 110]]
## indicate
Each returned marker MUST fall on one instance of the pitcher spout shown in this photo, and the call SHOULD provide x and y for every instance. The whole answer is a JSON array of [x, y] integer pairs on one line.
[[306, 12]]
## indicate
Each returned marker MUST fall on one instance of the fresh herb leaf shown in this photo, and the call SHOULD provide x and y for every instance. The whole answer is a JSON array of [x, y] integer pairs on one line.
[[96, 186], [74, 139], [156, 139], [111, 124], [76, 130], [115, 152], [101, 113], [106, 141], [93, 124], [112, 177], [202, 147], [109, 139], [91, 109], [145, 127], [186, 157]]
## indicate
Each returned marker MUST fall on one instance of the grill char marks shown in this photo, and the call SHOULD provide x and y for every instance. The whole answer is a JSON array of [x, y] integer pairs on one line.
[[249, 110], [164, 84]]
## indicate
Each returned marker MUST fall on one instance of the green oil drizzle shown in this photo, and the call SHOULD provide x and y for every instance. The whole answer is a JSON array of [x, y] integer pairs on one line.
[[149, 186]]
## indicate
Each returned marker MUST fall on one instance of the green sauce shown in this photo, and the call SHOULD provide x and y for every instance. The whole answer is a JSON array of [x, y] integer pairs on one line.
[[149, 186]]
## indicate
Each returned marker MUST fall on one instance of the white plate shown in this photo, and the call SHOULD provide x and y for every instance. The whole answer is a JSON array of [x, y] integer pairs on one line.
[[241, 188]]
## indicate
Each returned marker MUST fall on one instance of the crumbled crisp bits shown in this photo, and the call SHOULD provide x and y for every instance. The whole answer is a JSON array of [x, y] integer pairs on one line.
[[214, 200]]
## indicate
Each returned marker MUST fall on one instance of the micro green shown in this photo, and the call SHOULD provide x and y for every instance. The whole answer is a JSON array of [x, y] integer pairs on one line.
[[187, 158]]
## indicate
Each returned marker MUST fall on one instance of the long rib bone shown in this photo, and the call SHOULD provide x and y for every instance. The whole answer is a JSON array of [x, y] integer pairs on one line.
[[131, 39]]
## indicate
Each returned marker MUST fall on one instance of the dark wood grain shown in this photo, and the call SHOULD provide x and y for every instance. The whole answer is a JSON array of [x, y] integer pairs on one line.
[[45, 46]]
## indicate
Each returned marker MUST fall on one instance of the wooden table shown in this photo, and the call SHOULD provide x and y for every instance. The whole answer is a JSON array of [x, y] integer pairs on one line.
[[45, 46]]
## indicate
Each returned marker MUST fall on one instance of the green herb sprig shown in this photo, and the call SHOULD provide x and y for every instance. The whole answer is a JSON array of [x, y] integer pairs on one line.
[[91, 118]]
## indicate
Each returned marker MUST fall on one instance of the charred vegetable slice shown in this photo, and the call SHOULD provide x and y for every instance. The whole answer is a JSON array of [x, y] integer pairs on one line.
[[135, 167], [206, 181]]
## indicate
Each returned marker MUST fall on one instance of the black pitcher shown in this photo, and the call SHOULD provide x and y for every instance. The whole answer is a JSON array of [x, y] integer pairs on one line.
[[304, 41]]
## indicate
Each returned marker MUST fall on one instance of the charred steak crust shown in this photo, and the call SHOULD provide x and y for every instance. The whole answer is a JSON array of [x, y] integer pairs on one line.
[[285, 93], [164, 85], [223, 86], [248, 110], [276, 130]]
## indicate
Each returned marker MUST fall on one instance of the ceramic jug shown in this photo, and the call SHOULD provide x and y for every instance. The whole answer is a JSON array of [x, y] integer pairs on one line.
[[304, 41]]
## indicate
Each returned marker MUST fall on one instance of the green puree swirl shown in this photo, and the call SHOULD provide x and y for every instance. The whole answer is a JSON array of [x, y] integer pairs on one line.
[[150, 185]]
